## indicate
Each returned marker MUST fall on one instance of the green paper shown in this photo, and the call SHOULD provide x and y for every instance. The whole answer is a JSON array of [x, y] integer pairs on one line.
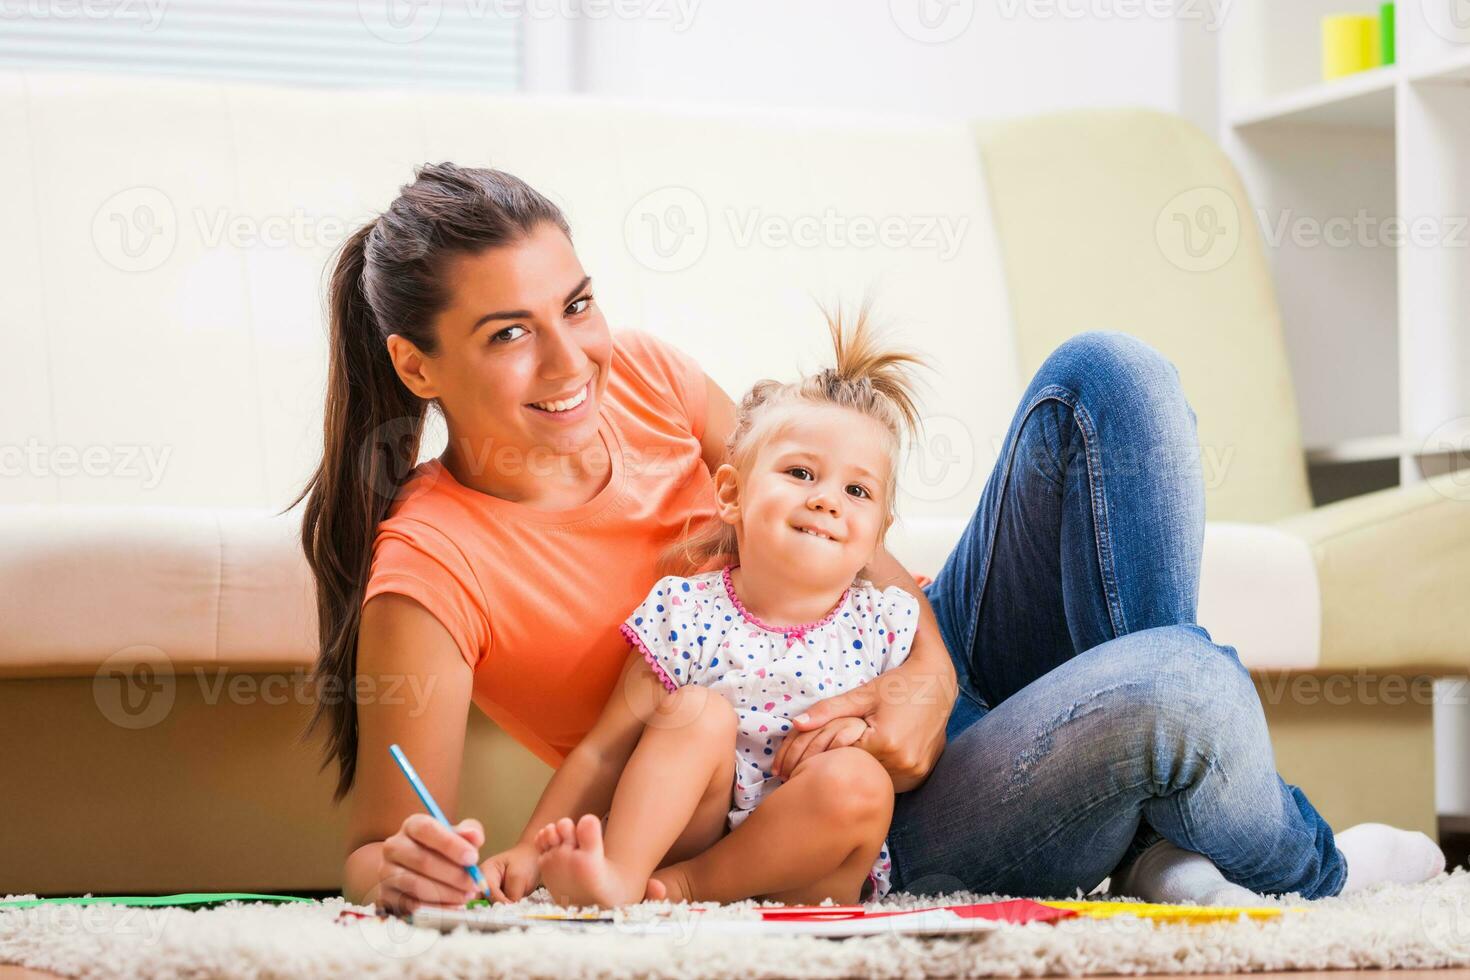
[[1386, 32], [158, 901]]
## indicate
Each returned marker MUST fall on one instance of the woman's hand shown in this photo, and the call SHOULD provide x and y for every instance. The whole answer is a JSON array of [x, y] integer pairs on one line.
[[905, 710], [513, 874], [835, 734], [424, 864], [903, 713]]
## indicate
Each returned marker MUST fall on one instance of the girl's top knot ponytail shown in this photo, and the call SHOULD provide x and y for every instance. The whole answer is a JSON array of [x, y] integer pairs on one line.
[[866, 377]]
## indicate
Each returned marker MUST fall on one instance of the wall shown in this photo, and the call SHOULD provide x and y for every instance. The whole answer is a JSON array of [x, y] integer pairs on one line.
[[982, 58]]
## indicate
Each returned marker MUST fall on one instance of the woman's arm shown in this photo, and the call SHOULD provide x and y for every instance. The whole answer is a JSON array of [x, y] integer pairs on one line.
[[399, 856], [719, 422], [906, 708]]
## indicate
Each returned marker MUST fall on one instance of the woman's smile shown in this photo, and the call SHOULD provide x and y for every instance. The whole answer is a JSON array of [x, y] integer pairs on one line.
[[571, 409]]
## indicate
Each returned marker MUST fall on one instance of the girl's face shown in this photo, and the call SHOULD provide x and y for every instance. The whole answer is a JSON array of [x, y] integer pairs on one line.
[[814, 500], [521, 331]]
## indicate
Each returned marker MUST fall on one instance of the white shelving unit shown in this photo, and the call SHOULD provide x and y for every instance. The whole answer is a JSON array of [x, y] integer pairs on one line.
[[1378, 327], [1362, 190]]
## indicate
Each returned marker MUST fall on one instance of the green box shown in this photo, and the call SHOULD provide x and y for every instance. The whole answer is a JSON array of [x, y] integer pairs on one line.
[[1386, 32]]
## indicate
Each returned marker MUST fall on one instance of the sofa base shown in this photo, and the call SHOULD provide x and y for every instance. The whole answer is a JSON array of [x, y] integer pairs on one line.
[[1360, 751], [217, 793]]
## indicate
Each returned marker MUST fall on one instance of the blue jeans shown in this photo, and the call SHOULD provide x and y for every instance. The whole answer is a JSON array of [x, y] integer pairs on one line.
[[1094, 716]]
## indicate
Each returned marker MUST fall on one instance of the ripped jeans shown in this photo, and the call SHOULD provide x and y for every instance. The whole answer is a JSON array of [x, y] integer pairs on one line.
[[1094, 716]]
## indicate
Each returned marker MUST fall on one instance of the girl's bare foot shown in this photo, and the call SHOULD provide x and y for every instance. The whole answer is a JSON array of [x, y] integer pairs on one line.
[[575, 869], [669, 884]]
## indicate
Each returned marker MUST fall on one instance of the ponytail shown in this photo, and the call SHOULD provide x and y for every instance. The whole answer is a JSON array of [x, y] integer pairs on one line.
[[387, 278]]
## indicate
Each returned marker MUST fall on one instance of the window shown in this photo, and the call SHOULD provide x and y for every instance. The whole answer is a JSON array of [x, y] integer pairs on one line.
[[369, 43]]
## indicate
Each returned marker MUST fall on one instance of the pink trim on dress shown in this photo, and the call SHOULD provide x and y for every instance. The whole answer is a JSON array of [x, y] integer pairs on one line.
[[636, 641], [792, 633]]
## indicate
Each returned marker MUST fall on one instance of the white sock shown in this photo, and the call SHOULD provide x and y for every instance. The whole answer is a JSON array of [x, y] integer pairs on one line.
[[1376, 852], [1165, 873]]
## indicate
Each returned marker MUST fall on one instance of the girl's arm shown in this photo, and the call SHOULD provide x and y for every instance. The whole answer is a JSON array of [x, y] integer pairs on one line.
[[585, 782]]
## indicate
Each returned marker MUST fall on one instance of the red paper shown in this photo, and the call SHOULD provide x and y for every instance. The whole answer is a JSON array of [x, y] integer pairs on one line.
[[1017, 911]]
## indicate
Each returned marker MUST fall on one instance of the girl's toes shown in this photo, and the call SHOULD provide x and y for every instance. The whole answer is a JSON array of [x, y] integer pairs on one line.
[[589, 834], [567, 831]]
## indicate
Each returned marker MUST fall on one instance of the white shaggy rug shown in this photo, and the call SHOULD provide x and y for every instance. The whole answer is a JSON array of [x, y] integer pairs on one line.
[[1419, 926]]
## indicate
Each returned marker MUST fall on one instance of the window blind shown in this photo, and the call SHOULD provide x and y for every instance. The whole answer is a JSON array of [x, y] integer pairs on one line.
[[376, 43]]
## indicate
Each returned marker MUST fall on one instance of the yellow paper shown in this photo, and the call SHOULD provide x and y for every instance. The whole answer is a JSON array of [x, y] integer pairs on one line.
[[1168, 913]]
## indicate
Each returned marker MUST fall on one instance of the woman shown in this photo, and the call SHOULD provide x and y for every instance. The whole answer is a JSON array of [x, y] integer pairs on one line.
[[1060, 718]]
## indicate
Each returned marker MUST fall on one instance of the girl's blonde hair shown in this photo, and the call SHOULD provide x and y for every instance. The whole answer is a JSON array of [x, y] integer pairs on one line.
[[866, 377]]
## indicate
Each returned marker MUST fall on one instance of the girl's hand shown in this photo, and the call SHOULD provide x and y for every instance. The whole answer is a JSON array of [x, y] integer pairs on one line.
[[834, 735], [513, 874], [424, 864]]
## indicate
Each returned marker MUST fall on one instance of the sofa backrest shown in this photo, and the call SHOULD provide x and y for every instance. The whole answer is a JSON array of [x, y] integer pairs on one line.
[[1134, 220], [166, 242]]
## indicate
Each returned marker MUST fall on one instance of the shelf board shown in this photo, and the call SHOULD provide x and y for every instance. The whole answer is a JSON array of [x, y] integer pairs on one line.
[[1364, 99], [1369, 448], [1451, 69]]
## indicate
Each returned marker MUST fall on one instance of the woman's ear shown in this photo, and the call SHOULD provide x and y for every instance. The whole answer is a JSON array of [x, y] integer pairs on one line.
[[410, 362], [727, 493]]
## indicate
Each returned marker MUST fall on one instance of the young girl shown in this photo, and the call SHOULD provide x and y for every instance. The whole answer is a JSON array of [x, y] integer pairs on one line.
[[692, 743]]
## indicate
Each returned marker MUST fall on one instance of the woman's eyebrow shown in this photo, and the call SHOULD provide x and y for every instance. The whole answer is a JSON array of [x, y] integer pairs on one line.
[[526, 314]]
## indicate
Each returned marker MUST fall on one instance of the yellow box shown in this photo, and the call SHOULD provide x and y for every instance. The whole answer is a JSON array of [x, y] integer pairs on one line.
[[1349, 44]]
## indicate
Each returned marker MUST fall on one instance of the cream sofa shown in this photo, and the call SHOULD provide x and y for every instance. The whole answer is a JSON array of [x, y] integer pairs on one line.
[[164, 245]]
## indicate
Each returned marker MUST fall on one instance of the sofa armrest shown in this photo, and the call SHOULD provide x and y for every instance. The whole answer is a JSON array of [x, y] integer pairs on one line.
[[173, 587], [1394, 573]]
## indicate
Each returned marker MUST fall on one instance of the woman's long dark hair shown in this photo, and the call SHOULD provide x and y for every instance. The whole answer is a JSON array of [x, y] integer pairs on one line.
[[388, 278]]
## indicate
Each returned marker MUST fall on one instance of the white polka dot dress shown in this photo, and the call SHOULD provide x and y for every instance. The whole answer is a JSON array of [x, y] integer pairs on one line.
[[696, 631]]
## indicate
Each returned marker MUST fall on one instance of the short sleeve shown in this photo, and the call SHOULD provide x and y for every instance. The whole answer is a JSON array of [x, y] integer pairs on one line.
[[433, 573], [896, 621], [666, 629], [670, 373]]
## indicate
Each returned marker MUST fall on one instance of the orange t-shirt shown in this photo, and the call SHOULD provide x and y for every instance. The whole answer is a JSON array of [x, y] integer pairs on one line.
[[534, 598]]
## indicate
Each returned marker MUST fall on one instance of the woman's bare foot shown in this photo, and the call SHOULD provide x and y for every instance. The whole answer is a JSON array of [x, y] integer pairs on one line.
[[575, 869]]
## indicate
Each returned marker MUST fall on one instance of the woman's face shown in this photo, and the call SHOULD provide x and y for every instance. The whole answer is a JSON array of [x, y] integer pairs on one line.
[[524, 355]]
